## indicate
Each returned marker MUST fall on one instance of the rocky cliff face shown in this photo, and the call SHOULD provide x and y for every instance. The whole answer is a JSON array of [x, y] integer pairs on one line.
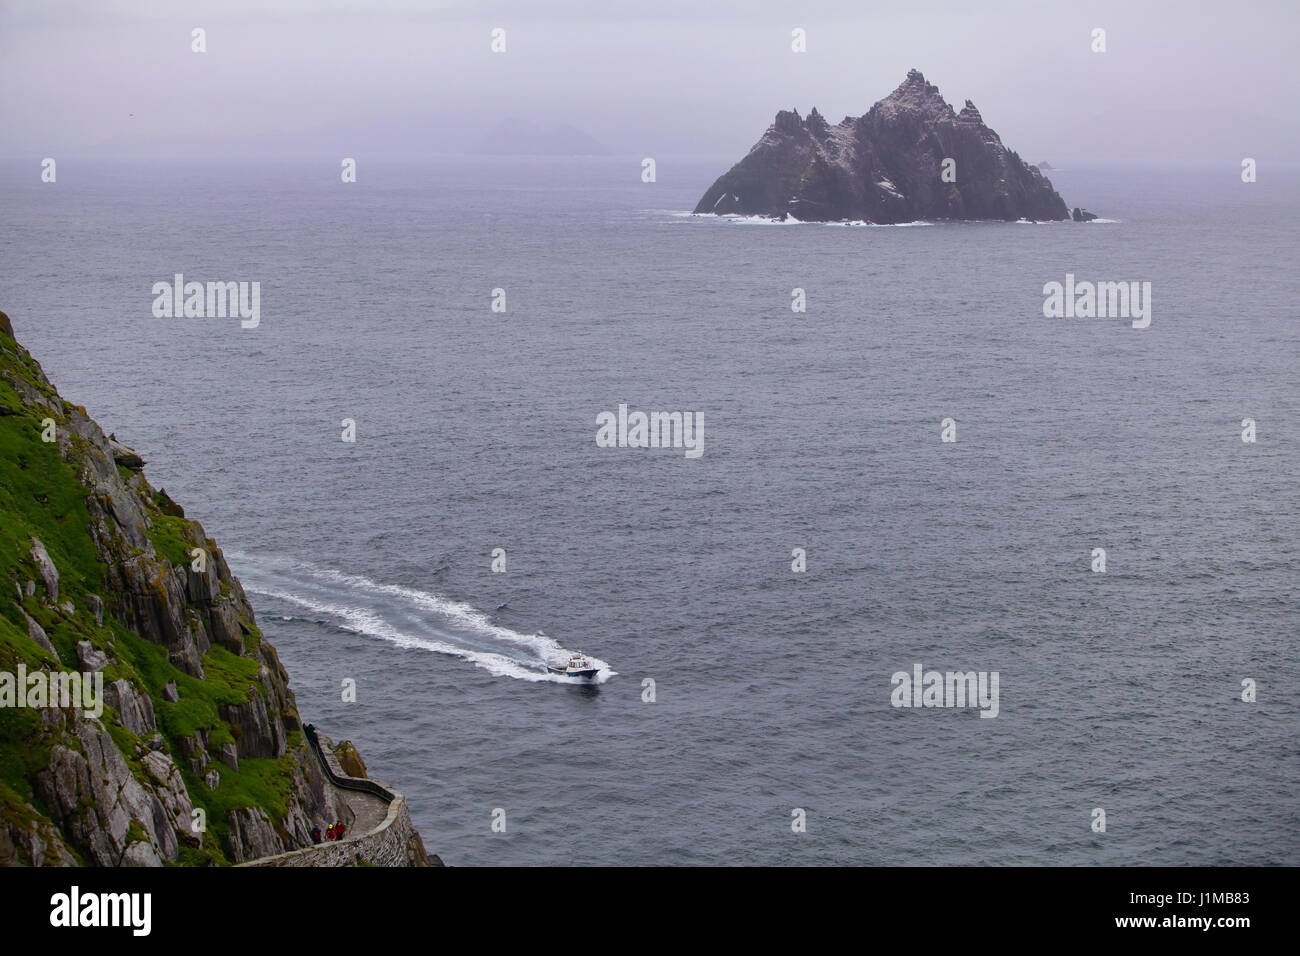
[[198, 756], [885, 167]]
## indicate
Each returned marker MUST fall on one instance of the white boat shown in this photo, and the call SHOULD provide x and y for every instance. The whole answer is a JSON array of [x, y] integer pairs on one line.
[[576, 666]]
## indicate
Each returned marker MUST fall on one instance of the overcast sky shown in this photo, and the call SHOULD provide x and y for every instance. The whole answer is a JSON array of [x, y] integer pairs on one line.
[[1181, 82]]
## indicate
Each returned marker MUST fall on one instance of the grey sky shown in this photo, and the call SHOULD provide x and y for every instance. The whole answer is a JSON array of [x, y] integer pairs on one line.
[[1183, 83]]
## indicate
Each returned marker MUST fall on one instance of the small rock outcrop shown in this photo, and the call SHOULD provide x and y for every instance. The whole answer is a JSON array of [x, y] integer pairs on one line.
[[350, 760], [126, 457], [46, 569], [134, 709], [910, 157]]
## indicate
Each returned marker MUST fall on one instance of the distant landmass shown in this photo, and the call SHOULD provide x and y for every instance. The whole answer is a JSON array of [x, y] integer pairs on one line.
[[1044, 165], [521, 137], [911, 157]]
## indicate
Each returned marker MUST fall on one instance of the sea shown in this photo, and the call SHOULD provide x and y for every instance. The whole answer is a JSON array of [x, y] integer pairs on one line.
[[752, 608]]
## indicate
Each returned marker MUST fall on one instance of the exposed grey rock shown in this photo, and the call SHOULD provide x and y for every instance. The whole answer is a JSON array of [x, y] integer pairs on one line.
[[123, 455], [48, 572], [33, 843], [139, 853], [96, 607], [170, 693], [259, 736], [230, 756], [172, 793], [212, 780], [167, 506], [94, 796], [133, 708], [37, 634], [91, 657], [321, 800], [251, 835], [202, 588], [30, 395], [223, 619]]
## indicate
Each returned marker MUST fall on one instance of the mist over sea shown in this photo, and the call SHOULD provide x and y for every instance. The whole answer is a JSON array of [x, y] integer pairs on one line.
[[475, 430]]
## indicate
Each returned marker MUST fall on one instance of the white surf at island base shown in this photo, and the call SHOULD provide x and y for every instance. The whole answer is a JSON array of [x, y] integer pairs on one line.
[[408, 617], [756, 220]]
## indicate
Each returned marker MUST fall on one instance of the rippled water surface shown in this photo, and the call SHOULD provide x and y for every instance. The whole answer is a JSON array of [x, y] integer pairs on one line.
[[476, 431]]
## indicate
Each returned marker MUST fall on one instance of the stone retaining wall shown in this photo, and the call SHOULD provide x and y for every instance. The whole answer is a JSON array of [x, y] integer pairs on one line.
[[394, 842]]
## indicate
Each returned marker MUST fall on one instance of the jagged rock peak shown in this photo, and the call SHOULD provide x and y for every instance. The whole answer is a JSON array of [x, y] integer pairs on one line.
[[970, 114], [788, 121], [915, 90]]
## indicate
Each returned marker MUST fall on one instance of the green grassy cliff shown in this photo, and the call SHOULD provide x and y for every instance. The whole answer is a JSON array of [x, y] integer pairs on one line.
[[198, 756]]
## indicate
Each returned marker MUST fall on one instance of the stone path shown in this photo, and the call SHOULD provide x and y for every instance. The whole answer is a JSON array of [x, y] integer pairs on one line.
[[369, 809]]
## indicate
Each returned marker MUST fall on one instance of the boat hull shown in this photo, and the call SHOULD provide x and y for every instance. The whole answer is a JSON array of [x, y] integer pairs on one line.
[[564, 672]]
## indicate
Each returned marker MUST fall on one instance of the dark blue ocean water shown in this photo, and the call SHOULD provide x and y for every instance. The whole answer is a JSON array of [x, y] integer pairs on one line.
[[476, 430]]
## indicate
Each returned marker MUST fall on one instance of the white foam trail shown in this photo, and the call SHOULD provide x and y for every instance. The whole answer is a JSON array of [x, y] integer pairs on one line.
[[360, 605]]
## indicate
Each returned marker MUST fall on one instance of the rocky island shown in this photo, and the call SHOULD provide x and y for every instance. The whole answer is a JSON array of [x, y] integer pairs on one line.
[[144, 718], [911, 157]]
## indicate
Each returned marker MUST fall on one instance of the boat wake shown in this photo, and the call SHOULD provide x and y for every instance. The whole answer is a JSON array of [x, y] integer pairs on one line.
[[403, 616]]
